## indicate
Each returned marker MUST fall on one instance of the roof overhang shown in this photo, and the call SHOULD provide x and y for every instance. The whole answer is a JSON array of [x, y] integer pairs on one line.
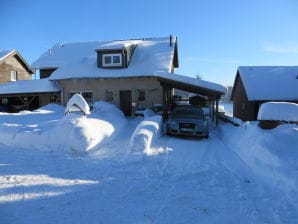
[[201, 90]]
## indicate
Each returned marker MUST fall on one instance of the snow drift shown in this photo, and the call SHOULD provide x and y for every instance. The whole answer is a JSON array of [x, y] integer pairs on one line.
[[48, 128], [145, 134], [271, 155], [279, 111]]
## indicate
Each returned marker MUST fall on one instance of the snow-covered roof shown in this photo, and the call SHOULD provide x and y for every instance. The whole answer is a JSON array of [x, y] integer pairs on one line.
[[194, 81], [114, 46], [79, 60], [270, 82], [29, 86], [5, 53]]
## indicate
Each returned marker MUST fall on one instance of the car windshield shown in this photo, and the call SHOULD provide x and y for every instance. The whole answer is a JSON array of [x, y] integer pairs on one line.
[[188, 112]]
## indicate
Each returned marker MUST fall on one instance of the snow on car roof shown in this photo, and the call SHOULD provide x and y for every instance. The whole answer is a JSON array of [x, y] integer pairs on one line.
[[270, 82]]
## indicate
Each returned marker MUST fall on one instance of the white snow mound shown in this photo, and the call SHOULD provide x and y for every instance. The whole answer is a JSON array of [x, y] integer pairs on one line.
[[48, 129], [77, 103], [278, 111], [148, 131]]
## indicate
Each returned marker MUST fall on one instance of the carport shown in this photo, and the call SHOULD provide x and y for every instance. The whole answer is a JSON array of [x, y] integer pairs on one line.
[[28, 95], [211, 91]]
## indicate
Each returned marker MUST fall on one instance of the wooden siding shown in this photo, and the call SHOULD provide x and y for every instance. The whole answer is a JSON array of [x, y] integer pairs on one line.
[[242, 108], [13, 63]]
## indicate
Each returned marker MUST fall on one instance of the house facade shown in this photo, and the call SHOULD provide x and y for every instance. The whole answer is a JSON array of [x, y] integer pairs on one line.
[[255, 85]]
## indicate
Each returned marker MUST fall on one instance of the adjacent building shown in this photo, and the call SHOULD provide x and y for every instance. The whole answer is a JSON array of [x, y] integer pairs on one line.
[[255, 85], [13, 67]]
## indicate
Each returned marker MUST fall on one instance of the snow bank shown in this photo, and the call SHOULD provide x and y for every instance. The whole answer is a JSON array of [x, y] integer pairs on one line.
[[145, 134], [270, 155], [48, 129], [278, 111]]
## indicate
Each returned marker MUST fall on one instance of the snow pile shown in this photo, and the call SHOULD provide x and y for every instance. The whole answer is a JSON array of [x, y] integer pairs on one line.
[[109, 112], [77, 103], [278, 111], [48, 128], [148, 131], [270, 155], [148, 113]]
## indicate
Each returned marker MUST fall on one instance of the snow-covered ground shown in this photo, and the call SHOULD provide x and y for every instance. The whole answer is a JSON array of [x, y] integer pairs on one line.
[[239, 175]]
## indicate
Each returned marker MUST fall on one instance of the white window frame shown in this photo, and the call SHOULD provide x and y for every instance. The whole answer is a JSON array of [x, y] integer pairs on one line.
[[13, 76], [112, 62]]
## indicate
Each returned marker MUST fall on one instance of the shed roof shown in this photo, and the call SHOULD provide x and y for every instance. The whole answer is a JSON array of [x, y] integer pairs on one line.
[[29, 86], [152, 56], [269, 82]]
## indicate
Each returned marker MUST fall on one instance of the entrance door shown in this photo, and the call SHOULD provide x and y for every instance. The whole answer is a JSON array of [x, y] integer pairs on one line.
[[125, 101]]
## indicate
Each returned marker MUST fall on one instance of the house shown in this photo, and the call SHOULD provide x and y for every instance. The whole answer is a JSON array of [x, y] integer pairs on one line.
[[13, 67], [255, 85], [127, 73]]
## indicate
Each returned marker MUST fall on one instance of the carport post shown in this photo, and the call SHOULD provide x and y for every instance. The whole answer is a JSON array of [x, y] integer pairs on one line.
[[165, 102], [212, 111], [216, 114]]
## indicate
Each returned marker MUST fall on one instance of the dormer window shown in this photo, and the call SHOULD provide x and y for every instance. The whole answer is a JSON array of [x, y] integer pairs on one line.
[[114, 56], [112, 60]]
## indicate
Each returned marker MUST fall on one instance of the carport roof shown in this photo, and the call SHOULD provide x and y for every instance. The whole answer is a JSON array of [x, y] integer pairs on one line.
[[29, 86], [194, 85]]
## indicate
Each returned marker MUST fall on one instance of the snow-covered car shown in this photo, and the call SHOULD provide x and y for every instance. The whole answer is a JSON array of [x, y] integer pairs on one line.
[[188, 120]]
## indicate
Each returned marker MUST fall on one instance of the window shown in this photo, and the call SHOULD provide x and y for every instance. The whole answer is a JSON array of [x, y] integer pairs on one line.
[[13, 76], [109, 95], [112, 60], [141, 95]]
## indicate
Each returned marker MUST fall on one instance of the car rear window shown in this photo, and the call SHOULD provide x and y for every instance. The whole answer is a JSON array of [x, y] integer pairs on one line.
[[188, 112]]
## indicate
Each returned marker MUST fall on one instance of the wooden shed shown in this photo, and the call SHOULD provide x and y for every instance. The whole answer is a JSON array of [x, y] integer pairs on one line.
[[255, 85]]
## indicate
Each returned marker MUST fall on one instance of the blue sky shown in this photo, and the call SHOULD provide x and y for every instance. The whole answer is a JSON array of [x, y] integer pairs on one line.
[[214, 37]]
